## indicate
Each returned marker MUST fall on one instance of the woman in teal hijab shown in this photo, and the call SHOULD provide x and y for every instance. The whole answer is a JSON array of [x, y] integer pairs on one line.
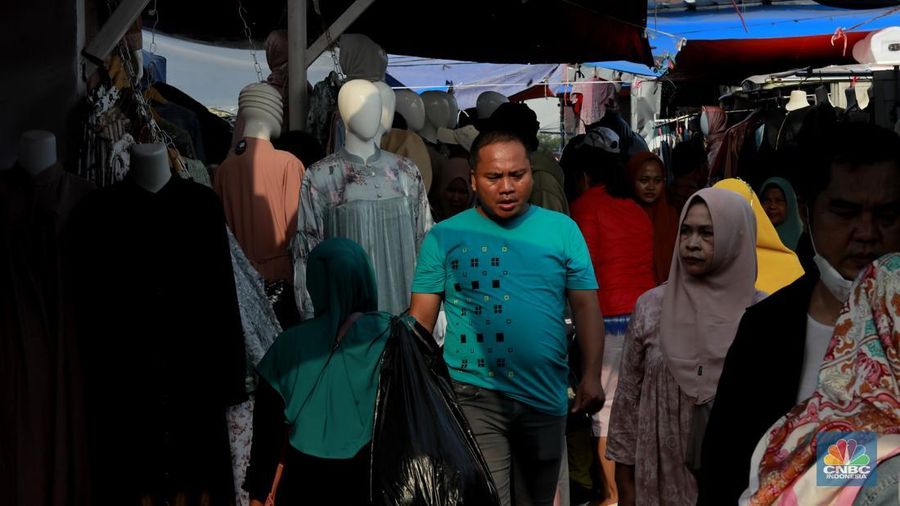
[[319, 381], [780, 203]]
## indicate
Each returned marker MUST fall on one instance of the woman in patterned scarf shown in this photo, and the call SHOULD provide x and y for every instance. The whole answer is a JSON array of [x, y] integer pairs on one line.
[[858, 391]]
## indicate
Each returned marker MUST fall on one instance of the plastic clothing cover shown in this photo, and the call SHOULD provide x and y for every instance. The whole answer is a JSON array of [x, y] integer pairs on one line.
[[423, 451]]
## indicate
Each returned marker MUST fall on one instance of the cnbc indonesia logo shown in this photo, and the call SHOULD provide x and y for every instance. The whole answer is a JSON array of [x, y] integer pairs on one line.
[[846, 460]]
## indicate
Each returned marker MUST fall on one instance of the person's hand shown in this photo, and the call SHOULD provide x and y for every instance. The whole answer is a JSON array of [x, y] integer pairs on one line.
[[589, 397]]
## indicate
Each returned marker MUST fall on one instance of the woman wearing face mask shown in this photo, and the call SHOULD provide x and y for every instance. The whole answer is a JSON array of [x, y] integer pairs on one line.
[[649, 178], [858, 390], [674, 350]]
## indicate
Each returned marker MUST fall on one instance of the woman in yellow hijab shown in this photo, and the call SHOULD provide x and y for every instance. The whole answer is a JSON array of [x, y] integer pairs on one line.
[[777, 265]]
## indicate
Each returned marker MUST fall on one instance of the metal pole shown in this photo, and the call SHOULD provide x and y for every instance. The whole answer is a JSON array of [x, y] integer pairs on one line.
[[298, 101], [112, 32]]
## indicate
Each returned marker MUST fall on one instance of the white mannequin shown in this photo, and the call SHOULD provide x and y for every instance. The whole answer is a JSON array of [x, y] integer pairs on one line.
[[412, 108], [453, 120], [798, 101], [37, 151], [150, 166], [359, 103], [437, 114], [260, 109], [704, 123], [388, 105], [488, 102]]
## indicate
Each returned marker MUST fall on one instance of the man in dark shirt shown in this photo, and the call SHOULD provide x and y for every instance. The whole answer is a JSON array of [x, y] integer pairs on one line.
[[852, 185]]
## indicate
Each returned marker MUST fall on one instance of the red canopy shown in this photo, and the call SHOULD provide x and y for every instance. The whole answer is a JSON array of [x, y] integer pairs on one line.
[[729, 61]]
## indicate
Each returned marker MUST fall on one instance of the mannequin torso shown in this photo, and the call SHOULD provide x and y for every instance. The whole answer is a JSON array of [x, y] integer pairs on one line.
[[37, 151], [150, 166]]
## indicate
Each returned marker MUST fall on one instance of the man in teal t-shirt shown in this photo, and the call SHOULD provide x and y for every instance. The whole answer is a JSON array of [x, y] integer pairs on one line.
[[504, 271]]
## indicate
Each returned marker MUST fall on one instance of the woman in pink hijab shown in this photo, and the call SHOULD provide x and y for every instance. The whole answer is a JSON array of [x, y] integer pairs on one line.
[[675, 348]]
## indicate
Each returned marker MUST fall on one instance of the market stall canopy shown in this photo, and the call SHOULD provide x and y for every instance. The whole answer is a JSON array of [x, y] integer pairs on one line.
[[730, 61], [723, 47], [498, 31]]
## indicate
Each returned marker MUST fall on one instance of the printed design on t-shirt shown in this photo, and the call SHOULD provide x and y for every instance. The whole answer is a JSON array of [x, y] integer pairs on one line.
[[477, 275]]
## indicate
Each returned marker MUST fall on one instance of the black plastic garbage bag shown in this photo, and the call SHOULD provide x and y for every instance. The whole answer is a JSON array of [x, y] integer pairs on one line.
[[423, 451]]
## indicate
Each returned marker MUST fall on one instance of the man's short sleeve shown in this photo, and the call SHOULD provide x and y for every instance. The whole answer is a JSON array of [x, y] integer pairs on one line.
[[431, 273], [579, 269]]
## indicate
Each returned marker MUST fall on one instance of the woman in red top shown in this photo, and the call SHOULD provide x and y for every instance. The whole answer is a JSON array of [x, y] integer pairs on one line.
[[619, 237], [649, 179]]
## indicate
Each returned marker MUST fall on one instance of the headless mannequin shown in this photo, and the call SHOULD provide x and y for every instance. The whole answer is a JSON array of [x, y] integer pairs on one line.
[[388, 105], [37, 151], [488, 102], [437, 114], [798, 101], [412, 108], [704, 123], [150, 166], [359, 103]]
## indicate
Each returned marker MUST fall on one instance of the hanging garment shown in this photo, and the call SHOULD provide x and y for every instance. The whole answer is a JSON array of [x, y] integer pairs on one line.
[[42, 452], [161, 342], [260, 330], [187, 121], [322, 106], [715, 137], [380, 203], [215, 131], [728, 164], [260, 190], [596, 95]]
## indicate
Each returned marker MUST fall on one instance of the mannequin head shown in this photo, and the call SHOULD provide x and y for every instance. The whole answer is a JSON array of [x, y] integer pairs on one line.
[[453, 121], [704, 123], [488, 102], [437, 114], [260, 106], [412, 108], [388, 105], [359, 103], [37, 151], [150, 166]]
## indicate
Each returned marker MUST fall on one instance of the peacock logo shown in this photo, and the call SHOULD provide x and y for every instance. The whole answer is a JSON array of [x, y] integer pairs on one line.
[[847, 460], [846, 452]]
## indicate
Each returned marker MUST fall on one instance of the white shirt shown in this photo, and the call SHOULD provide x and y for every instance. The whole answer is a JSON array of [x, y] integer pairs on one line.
[[818, 336]]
